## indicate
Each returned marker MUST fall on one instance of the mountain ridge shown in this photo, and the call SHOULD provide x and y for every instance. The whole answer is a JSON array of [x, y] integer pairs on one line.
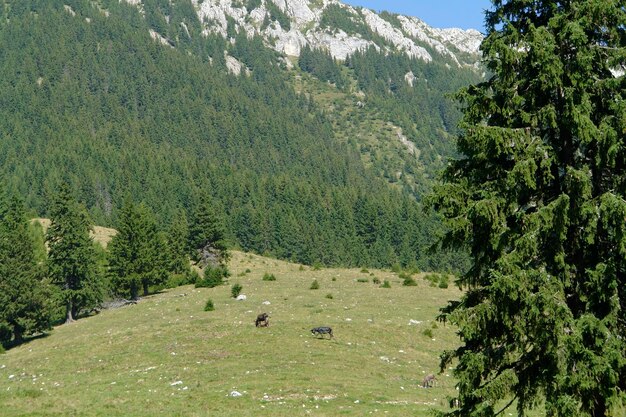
[[307, 25]]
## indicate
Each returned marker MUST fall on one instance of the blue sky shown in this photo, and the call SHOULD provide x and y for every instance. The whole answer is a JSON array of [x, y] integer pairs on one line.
[[465, 14]]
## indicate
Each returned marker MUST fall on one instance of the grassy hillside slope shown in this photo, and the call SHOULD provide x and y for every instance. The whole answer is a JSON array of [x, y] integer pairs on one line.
[[129, 361]]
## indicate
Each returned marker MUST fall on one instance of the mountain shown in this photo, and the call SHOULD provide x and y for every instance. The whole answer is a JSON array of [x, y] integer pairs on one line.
[[290, 25], [150, 99]]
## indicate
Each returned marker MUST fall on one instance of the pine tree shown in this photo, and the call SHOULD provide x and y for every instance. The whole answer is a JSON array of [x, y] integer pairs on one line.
[[177, 241], [71, 257], [206, 235], [24, 308], [538, 198], [137, 252]]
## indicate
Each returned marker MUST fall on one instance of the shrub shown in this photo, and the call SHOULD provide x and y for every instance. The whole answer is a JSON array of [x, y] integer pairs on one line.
[[329, 296], [396, 268], [432, 278], [235, 290], [334, 279], [177, 280], [315, 285], [213, 277], [317, 266], [409, 282], [386, 284], [209, 305], [362, 280], [301, 268], [376, 280], [428, 333], [365, 271], [248, 270], [269, 277], [443, 282]]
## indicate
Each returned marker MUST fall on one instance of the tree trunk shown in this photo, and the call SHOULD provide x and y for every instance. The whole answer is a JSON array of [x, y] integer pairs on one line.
[[69, 317], [134, 292], [18, 336], [145, 288]]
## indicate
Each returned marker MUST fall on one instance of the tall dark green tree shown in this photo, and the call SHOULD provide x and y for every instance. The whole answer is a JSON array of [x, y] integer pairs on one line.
[[137, 252], [24, 306], [539, 199], [177, 244], [71, 257], [207, 240]]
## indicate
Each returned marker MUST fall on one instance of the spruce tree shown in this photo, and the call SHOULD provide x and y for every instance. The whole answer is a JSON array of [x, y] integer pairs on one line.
[[24, 306], [177, 242], [71, 257], [206, 235], [538, 197], [136, 252]]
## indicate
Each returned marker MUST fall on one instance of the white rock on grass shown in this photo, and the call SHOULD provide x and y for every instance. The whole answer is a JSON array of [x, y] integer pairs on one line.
[[235, 394]]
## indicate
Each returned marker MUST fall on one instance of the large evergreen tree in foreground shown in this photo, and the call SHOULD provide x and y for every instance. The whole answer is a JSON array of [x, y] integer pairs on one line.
[[539, 199]]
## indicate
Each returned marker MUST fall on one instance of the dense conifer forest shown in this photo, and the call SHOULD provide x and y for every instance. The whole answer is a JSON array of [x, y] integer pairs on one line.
[[88, 98]]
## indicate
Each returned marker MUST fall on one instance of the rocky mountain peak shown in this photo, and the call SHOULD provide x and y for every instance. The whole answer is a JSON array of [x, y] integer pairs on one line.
[[290, 25]]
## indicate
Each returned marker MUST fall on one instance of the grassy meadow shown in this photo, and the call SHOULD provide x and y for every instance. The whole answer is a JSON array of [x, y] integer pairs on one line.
[[167, 356]]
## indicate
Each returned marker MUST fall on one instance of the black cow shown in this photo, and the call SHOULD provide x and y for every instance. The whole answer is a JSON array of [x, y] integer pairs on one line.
[[262, 320], [321, 331]]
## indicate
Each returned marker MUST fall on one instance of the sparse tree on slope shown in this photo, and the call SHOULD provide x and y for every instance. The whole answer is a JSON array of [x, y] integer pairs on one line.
[[71, 257], [23, 297], [539, 199]]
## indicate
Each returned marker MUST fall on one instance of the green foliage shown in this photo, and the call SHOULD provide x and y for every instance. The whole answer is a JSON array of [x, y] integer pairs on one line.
[[206, 235], [364, 271], [315, 285], [278, 15], [409, 281], [213, 276], [443, 282], [252, 4], [335, 16], [187, 278], [71, 256], [316, 266], [329, 296], [386, 284], [362, 280], [235, 290], [376, 280], [137, 253], [269, 277], [177, 244], [428, 333], [322, 65], [132, 117], [209, 305], [538, 198], [24, 297]]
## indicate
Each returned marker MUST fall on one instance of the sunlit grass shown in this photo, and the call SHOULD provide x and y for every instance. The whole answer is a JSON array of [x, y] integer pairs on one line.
[[167, 356]]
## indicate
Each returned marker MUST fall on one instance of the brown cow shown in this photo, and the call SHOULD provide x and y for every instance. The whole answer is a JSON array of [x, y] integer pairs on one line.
[[429, 381]]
